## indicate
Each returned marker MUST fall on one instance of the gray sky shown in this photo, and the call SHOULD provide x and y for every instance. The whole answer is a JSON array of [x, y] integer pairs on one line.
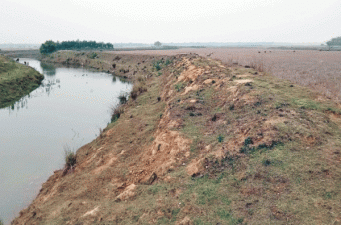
[[35, 21]]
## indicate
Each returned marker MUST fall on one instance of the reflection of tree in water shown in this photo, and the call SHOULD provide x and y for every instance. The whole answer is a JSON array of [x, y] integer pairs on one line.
[[22, 103], [123, 80], [48, 69], [49, 85], [45, 87]]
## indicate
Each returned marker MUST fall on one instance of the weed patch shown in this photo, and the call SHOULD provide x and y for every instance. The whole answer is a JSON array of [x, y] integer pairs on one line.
[[179, 86], [70, 157], [93, 55], [220, 138]]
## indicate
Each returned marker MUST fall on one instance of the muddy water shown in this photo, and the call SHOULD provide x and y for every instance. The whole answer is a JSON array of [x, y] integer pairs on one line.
[[69, 108]]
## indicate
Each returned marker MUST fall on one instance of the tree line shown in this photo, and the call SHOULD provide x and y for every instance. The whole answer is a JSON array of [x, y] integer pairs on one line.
[[51, 46], [334, 41]]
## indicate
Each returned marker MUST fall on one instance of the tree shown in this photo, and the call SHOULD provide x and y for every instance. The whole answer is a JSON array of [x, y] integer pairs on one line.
[[157, 44], [48, 47], [334, 41]]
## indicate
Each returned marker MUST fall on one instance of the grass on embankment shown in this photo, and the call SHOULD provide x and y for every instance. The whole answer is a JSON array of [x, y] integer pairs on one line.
[[16, 81], [268, 152], [122, 65]]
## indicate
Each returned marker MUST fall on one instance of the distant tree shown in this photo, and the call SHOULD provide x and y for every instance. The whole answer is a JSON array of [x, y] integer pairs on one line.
[[334, 41], [157, 44], [48, 47]]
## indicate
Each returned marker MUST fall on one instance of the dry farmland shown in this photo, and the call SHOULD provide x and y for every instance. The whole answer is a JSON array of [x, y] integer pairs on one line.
[[320, 70]]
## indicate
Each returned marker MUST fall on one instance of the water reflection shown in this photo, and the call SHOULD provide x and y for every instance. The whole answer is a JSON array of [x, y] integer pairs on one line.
[[48, 69], [122, 79]]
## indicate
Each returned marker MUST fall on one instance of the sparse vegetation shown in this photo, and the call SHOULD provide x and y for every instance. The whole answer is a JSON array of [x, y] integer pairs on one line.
[[116, 113], [70, 157], [179, 86], [92, 55], [159, 64], [123, 98], [138, 89], [220, 138]]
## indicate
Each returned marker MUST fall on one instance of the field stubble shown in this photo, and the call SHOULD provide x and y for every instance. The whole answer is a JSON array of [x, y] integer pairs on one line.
[[319, 70]]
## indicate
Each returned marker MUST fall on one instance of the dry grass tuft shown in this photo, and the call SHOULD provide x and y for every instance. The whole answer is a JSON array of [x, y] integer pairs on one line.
[[138, 89]]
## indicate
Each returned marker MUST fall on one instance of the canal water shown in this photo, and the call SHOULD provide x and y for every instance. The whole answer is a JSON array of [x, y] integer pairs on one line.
[[66, 111]]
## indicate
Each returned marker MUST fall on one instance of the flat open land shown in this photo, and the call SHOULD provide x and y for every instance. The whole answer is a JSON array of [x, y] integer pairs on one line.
[[319, 70]]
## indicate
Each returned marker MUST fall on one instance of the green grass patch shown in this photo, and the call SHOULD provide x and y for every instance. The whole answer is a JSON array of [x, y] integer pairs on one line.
[[16, 81], [179, 86]]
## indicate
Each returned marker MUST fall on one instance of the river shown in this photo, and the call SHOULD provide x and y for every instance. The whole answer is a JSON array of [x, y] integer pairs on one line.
[[67, 111]]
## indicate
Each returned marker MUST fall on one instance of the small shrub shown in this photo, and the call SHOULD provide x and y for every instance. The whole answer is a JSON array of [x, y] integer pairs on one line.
[[157, 65], [93, 55], [70, 157], [134, 94], [116, 114], [179, 86], [328, 195], [220, 138], [248, 141], [223, 214], [168, 62], [140, 78], [137, 90], [266, 162], [123, 99], [246, 149], [231, 107]]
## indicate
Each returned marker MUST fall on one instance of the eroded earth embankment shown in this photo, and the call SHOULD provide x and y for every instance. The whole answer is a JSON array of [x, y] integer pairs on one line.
[[200, 143]]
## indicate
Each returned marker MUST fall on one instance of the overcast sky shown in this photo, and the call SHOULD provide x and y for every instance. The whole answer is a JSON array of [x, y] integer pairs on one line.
[[297, 21]]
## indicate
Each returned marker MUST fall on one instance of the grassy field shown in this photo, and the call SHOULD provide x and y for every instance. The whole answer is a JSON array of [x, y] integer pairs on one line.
[[16, 81], [202, 143]]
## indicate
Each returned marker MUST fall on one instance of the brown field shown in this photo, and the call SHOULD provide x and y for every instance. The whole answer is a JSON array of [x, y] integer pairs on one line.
[[319, 70]]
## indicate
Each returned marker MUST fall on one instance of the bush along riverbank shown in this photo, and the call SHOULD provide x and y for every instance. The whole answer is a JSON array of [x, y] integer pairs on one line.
[[198, 142], [16, 81]]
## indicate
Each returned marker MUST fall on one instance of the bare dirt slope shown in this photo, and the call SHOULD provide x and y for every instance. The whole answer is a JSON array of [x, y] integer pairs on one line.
[[199, 142]]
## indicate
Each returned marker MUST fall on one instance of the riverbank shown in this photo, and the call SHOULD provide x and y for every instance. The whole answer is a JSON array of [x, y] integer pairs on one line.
[[123, 65], [199, 142], [16, 81]]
